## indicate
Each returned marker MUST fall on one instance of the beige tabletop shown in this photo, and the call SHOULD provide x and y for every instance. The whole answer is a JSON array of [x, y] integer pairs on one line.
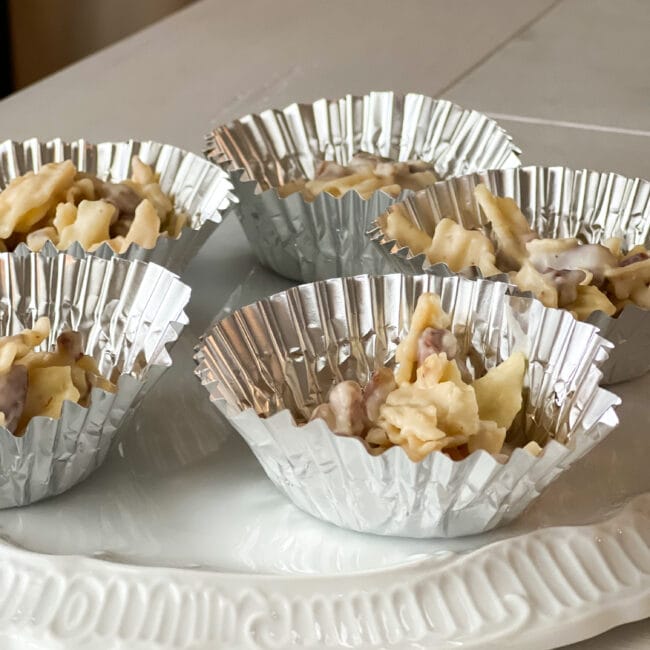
[[567, 78]]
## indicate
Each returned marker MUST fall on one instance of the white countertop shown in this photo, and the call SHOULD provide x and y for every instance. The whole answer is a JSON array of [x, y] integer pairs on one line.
[[567, 78]]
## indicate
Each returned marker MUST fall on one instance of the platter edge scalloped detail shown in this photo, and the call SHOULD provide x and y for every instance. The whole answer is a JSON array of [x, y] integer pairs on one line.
[[581, 580]]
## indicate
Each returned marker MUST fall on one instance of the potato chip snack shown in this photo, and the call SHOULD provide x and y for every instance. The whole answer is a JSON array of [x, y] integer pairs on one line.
[[36, 383], [64, 206], [365, 173], [561, 272], [426, 405]]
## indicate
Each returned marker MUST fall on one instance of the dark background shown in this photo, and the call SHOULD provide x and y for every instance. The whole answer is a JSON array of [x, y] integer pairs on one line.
[[40, 37], [5, 50]]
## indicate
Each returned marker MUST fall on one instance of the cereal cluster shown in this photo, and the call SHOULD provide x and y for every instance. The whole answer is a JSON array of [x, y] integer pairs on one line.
[[35, 383], [364, 173], [562, 272], [430, 403], [59, 204]]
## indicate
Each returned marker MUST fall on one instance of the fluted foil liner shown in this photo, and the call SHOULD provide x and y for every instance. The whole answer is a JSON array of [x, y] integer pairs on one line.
[[558, 202], [199, 188], [282, 355], [326, 238], [129, 314]]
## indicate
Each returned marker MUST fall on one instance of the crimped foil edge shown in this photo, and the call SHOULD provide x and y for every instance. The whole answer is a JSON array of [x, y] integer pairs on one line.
[[559, 202], [200, 188], [334, 477], [308, 241], [55, 454]]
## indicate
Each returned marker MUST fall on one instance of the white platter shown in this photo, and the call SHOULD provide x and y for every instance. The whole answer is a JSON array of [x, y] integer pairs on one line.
[[180, 541]]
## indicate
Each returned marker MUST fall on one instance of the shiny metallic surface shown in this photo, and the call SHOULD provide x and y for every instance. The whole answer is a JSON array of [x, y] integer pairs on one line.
[[199, 188], [128, 313], [326, 238], [267, 365], [558, 202]]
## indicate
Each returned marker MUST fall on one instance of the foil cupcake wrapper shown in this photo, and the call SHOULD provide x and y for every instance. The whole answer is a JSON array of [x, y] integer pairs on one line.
[[326, 238], [129, 314], [201, 189], [282, 354], [558, 202]]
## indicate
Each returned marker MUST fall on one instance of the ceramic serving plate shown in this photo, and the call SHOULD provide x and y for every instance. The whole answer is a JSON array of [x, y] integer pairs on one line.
[[181, 542]]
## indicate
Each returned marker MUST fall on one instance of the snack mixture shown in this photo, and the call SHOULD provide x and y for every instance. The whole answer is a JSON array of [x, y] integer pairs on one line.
[[64, 206], [430, 403], [365, 173], [36, 383], [561, 272]]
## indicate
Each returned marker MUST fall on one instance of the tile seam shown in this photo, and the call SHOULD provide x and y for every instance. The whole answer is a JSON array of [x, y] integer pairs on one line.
[[565, 124], [498, 47]]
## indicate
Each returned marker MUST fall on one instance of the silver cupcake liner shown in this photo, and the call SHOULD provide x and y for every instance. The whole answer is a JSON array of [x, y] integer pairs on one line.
[[558, 202], [200, 189], [282, 354], [129, 314], [326, 238]]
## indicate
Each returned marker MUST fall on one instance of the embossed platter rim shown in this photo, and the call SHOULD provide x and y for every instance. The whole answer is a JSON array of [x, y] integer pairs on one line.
[[80, 602], [46, 599]]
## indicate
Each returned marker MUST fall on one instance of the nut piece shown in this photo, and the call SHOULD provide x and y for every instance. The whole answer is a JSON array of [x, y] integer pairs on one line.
[[381, 383], [346, 401], [124, 198], [324, 412], [69, 343], [566, 283], [435, 341], [13, 393]]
